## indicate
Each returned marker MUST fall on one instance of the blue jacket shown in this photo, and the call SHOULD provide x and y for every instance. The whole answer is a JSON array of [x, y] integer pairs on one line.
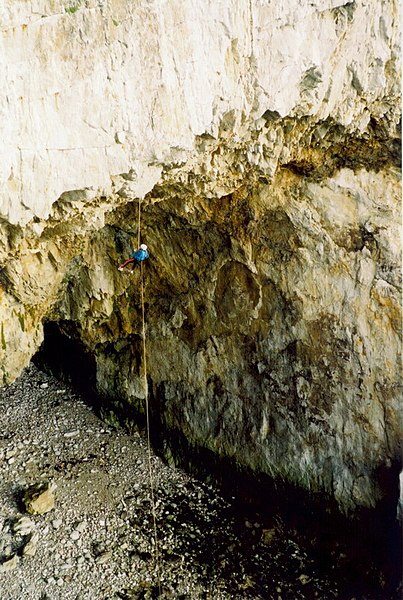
[[140, 254]]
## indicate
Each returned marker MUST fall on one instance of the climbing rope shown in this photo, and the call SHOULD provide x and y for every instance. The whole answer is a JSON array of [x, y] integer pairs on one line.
[[138, 228], [147, 411]]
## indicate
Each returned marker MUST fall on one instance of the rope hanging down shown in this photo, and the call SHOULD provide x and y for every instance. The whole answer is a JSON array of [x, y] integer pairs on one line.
[[145, 382]]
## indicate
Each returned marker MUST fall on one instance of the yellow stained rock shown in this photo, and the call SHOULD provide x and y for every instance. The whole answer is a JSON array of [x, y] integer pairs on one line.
[[39, 499]]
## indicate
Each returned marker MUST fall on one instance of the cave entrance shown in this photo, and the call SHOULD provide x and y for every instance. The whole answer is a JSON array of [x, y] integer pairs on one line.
[[63, 355], [370, 544]]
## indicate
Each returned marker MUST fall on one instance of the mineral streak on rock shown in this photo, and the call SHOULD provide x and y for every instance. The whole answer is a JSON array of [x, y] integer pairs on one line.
[[263, 141]]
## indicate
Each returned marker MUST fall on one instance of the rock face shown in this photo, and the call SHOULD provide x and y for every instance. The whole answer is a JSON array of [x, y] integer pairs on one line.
[[261, 140]]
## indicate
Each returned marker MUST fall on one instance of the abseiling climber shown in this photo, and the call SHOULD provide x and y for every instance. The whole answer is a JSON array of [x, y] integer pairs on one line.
[[137, 257]]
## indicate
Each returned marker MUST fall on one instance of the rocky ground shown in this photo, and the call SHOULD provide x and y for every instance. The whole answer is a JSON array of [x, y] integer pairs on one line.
[[94, 539]]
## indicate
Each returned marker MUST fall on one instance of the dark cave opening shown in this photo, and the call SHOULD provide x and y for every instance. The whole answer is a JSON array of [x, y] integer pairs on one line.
[[64, 356]]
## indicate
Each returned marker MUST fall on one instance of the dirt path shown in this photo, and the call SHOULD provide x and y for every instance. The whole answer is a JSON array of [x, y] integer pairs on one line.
[[97, 541]]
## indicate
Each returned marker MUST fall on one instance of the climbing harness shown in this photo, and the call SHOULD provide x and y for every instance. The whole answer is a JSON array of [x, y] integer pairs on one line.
[[145, 382]]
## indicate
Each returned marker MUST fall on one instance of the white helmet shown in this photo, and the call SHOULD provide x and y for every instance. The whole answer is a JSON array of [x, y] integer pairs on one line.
[[143, 247]]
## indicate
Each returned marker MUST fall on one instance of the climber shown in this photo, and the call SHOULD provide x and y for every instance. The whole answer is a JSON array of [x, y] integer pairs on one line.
[[137, 257]]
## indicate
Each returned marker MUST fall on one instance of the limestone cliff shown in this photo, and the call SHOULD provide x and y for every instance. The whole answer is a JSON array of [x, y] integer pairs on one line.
[[262, 141]]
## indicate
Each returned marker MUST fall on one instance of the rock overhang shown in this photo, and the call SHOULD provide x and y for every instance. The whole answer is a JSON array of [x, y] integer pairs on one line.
[[262, 141]]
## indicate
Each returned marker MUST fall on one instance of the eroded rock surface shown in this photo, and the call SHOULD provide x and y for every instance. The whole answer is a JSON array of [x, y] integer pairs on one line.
[[272, 327], [262, 141]]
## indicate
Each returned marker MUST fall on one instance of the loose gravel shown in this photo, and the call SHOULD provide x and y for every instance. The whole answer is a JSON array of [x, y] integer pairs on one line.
[[97, 542]]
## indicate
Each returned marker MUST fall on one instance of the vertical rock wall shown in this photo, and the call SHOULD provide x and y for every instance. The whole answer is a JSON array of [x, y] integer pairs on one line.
[[273, 327], [262, 141]]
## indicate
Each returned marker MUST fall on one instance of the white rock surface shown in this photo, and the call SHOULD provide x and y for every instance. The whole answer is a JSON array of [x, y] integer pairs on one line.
[[99, 88]]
